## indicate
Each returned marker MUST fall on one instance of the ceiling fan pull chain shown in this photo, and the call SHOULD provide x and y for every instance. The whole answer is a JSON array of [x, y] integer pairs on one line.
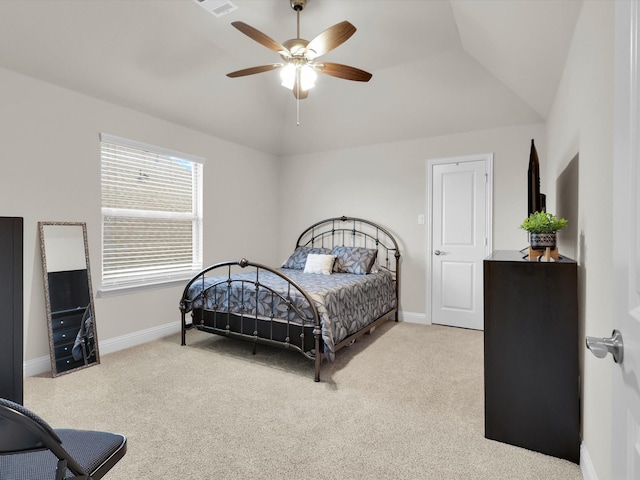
[[298, 96]]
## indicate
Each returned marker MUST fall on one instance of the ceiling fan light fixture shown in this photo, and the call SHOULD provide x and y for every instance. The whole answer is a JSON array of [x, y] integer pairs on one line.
[[308, 77], [306, 73], [288, 76]]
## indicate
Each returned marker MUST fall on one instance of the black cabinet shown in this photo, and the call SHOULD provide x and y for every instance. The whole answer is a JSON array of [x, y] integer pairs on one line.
[[531, 354], [11, 313]]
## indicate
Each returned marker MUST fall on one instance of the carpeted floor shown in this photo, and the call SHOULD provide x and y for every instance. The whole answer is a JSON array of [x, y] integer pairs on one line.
[[403, 403]]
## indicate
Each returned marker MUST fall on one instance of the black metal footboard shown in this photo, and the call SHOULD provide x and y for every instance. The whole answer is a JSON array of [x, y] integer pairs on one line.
[[253, 302]]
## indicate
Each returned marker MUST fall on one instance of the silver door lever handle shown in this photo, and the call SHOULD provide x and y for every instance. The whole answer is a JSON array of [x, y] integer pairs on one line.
[[601, 346], [437, 252]]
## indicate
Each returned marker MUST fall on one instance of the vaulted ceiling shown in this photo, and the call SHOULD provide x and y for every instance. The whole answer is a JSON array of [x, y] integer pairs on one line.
[[439, 66]]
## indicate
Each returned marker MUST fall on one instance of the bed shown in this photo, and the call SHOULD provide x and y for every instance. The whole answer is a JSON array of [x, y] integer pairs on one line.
[[340, 282]]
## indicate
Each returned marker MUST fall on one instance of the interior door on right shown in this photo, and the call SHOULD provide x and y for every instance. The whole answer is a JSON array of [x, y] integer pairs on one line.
[[625, 444]]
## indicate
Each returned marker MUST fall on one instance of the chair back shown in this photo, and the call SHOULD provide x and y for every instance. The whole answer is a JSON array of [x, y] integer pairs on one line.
[[22, 430]]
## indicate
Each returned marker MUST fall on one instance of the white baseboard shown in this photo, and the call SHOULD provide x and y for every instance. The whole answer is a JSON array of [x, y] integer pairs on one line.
[[136, 338], [411, 317], [586, 467], [34, 367], [43, 364]]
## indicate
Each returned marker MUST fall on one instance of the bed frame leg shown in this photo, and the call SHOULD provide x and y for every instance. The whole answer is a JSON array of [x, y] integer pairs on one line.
[[255, 346], [317, 332], [184, 340]]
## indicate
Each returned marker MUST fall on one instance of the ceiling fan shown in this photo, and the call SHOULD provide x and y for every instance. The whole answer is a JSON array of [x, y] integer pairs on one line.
[[300, 55]]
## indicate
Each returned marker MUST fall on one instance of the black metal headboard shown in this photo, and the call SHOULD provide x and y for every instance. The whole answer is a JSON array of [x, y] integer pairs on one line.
[[356, 232]]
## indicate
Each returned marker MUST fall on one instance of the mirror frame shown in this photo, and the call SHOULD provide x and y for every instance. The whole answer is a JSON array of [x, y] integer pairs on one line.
[[45, 276]]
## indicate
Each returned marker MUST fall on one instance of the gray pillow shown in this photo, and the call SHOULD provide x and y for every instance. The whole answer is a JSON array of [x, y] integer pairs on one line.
[[356, 260], [298, 258]]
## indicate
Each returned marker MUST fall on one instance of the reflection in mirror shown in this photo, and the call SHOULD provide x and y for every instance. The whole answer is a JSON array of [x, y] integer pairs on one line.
[[73, 340]]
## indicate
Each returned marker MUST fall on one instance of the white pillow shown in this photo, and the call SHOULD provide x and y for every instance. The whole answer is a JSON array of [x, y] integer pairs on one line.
[[319, 263]]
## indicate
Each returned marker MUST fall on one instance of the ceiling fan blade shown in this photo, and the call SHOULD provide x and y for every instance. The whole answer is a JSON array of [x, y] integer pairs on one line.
[[253, 70], [343, 71], [331, 38], [261, 38]]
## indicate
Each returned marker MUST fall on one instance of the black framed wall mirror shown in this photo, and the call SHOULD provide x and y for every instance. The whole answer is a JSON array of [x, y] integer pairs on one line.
[[73, 339]]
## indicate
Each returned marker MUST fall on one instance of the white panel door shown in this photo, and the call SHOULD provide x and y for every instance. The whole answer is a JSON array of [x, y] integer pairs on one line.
[[459, 240], [625, 452]]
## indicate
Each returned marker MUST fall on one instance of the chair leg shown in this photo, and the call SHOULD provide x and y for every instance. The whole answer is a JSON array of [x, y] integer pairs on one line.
[[61, 470]]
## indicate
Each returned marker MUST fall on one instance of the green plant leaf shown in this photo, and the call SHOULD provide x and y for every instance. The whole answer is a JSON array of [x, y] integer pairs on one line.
[[543, 222]]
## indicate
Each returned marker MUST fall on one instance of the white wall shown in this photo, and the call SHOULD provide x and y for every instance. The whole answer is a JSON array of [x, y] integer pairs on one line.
[[387, 183], [50, 170], [581, 122]]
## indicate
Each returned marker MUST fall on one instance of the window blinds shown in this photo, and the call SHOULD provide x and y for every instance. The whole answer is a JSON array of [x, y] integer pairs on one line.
[[151, 214]]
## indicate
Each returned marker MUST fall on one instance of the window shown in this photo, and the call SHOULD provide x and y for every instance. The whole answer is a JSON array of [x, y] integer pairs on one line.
[[151, 214]]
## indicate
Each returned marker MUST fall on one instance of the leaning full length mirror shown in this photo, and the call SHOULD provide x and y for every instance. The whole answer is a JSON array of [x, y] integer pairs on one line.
[[73, 339]]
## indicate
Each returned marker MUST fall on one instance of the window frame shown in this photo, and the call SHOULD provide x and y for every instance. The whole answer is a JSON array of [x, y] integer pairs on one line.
[[147, 282]]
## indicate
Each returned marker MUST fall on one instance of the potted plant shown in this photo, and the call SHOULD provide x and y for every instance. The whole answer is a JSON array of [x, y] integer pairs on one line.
[[542, 228]]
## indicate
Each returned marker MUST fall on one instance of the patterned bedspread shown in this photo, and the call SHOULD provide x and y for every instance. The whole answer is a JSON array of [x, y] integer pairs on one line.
[[345, 302]]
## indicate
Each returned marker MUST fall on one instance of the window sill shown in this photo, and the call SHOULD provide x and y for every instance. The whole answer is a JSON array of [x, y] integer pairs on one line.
[[114, 290]]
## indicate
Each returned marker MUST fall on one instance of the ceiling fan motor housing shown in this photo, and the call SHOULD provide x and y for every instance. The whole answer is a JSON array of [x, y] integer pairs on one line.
[[297, 47]]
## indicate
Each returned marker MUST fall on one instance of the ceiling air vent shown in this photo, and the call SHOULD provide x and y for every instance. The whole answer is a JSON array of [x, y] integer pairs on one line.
[[217, 7]]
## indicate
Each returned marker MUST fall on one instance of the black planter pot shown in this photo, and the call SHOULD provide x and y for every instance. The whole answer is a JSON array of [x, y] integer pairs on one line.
[[540, 241]]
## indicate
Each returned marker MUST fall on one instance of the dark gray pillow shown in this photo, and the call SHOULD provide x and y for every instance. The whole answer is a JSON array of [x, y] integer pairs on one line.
[[356, 260], [298, 258]]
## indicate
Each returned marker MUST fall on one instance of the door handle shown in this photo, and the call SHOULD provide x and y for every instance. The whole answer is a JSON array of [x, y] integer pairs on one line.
[[613, 345], [438, 252]]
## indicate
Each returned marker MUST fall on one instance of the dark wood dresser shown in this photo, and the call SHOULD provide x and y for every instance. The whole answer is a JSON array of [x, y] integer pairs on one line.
[[11, 313], [531, 354]]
